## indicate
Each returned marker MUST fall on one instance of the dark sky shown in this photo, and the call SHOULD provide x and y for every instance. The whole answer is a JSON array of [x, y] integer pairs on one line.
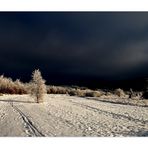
[[72, 47]]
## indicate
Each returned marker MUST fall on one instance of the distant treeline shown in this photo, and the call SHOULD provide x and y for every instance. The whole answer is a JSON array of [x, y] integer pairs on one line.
[[8, 86]]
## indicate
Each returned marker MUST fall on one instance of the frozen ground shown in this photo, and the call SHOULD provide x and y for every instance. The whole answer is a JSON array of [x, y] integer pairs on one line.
[[63, 115]]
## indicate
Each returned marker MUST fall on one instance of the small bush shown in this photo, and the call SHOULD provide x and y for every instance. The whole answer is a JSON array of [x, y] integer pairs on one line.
[[62, 90], [93, 94], [52, 90], [80, 93], [119, 92], [57, 90], [72, 92], [108, 93]]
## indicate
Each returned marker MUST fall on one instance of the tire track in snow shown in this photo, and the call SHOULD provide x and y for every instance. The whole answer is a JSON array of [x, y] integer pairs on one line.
[[81, 122], [70, 124], [117, 102], [114, 115], [31, 129]]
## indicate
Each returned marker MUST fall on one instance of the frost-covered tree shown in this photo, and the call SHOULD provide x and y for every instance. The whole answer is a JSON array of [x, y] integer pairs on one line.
[[38, 88]]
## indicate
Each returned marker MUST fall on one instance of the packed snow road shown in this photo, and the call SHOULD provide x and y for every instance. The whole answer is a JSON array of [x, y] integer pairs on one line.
[[63, 115]]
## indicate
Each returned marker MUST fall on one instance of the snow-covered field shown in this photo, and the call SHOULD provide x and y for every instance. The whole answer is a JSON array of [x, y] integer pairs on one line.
[[63, 115]]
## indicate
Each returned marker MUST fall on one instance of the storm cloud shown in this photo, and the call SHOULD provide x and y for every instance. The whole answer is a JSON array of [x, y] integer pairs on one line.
[[69, 45]]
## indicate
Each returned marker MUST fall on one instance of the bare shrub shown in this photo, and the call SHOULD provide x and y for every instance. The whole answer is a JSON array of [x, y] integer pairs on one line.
[[119, 92], [76, 92], [38, 87], [109, 93], [57, 90], [72, 92], [93, 94], [134, 94], [20, 87], [8, 86], [62, 90], [80, 93], [52, 90]]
